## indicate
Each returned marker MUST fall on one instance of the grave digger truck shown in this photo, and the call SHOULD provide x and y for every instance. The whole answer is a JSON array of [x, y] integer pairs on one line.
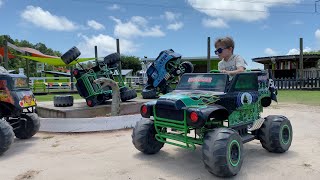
[[163, 71], [93, 93], [221, 115], [17, 109]]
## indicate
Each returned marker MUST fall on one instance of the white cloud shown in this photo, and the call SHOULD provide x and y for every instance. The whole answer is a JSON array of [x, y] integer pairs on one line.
[[295, 51], [215, 23], [270, 52], [137, 26], [106, 45], [114, 7], [95, 25], [45, 19], [238, 10], [175, 26], [317, 34], [170, 16]]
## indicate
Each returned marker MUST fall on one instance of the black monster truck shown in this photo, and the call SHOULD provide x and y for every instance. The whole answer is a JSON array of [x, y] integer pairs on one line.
[[163, 71], [17, 110], [221, 115]]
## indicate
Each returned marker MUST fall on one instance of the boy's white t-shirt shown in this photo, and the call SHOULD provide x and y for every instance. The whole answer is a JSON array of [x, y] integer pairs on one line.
[[232, 64]]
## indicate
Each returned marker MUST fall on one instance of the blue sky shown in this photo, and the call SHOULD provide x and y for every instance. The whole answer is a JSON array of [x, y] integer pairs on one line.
[[259, 27]]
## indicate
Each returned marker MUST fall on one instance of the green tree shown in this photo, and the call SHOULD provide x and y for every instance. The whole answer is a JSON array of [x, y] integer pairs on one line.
[[131, 62]]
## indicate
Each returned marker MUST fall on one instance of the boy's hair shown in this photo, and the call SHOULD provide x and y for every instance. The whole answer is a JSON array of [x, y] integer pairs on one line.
[[226, 41]]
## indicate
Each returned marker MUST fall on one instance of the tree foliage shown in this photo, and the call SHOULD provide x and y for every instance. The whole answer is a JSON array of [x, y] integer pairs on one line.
[[131, 62]]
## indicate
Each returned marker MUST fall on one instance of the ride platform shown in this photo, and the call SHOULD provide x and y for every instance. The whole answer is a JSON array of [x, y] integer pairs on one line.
[[81, 110]]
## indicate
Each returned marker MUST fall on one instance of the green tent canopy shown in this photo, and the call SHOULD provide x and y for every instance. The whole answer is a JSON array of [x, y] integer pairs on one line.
[[54, 61], [38, 56]]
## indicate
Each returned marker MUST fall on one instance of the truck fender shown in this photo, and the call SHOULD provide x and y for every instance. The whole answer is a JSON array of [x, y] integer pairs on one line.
[[218, 112]]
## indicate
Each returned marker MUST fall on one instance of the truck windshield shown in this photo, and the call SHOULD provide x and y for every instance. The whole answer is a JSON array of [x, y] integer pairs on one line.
[[208, 82], [20, 83]]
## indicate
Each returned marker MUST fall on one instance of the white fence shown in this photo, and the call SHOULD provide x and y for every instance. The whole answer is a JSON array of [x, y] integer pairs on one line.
[[46, 83]]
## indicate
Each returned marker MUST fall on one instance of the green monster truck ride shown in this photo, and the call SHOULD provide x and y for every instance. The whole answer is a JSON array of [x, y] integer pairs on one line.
[[93, 93], [221, 115], [17, 110]]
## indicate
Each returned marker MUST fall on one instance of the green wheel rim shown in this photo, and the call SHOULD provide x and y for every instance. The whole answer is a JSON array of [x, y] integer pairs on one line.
[[234, 153], [285, 134]]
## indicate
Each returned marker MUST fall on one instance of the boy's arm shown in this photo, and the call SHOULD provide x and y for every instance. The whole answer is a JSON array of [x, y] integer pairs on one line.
[[239, 69]]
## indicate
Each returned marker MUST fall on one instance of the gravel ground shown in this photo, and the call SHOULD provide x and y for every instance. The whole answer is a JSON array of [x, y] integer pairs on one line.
[[111, 155]]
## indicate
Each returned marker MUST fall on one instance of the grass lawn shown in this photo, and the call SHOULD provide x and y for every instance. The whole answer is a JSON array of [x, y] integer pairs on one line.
[[49, 97], [299, 97]]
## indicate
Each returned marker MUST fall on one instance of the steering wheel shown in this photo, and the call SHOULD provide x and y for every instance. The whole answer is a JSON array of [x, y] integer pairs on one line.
[[215, 71]]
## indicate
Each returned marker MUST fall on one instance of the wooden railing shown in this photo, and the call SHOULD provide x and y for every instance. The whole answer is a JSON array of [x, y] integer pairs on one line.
[[311, 73], [308, 83]]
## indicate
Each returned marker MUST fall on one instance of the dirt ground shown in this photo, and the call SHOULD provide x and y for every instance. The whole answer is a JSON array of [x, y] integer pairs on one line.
[[111, 155]]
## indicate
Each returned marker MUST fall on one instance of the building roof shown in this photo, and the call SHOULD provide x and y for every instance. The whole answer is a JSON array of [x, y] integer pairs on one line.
[[124, 72], [306, 57]]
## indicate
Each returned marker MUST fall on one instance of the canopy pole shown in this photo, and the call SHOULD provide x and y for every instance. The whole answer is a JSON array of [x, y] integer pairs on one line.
[[6, 57], [28, 70], [71, 77], [96, 54], [118, 51], [301, 58], [208, 56]]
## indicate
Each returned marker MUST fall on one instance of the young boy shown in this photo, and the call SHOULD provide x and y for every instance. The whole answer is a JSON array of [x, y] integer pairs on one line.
[[230, 63]]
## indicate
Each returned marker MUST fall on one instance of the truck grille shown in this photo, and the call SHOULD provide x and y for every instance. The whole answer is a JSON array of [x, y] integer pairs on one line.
[[169, 114]]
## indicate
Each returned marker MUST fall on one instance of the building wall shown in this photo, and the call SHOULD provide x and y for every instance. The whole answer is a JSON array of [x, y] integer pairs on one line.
[[201, 66]]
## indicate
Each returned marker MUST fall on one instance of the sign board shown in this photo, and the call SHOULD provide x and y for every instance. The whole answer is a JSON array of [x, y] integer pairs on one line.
[[40, 67], [21, 71]]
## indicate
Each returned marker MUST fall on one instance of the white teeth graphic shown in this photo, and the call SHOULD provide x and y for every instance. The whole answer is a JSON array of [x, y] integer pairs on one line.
[[167, 76]]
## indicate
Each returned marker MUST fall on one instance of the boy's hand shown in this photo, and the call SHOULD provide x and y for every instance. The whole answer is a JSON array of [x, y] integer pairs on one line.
[[223, 71]]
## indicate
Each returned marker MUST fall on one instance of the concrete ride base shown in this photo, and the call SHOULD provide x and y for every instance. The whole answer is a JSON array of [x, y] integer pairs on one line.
[[81, 110]]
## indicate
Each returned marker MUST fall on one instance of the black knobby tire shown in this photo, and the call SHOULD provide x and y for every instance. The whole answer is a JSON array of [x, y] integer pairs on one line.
[[166, 89], [128, 94], [266, 101], [6, 136], [29, 126], [222, 152], [143, 137], [170, 65], [63, 100], [112, 59], [149, 92], [275, 134], [150, 80], [188, 67], [123, 89], [71, 55]]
